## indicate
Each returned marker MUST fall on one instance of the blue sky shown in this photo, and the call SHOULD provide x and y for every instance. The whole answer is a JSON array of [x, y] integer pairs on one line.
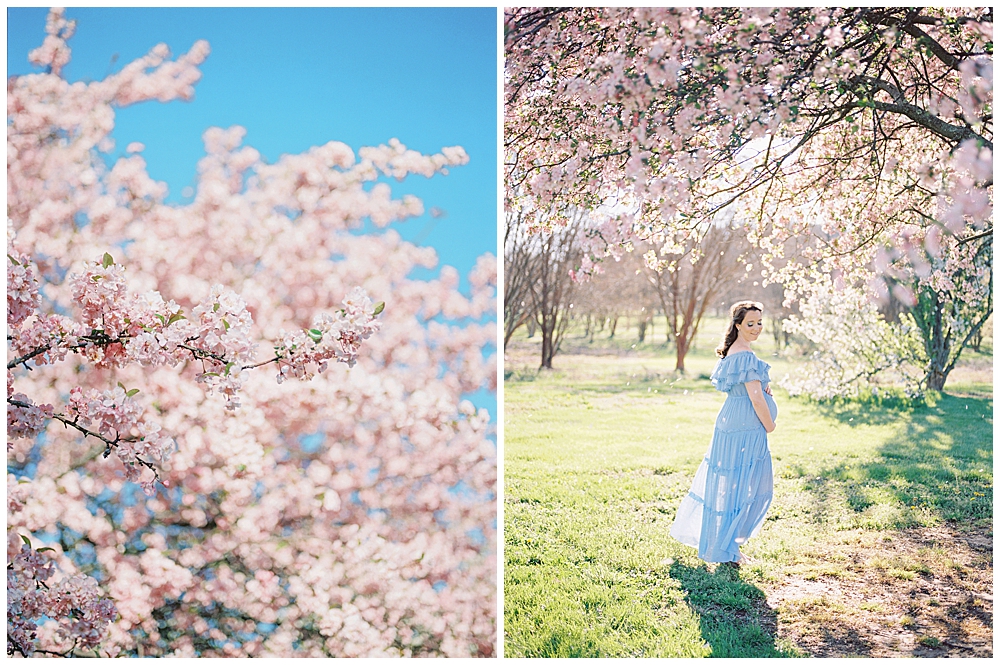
[[295, 78]]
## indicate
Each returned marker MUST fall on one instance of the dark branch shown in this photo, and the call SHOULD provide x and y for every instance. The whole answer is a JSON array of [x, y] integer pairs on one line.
[[108, 443], [952, 133]]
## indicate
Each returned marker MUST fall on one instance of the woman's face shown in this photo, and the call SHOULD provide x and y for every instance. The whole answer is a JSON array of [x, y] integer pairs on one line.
[[751, 327]]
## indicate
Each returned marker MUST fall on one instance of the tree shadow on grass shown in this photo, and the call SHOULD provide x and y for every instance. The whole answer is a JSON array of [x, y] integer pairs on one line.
[[937, 466], [928, 489], [735, 618]]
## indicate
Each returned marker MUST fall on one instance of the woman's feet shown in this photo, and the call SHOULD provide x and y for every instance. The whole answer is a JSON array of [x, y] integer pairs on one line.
[[742, 561]]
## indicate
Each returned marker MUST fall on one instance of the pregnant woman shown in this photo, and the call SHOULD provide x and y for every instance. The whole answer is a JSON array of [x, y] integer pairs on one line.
[[733, 486]]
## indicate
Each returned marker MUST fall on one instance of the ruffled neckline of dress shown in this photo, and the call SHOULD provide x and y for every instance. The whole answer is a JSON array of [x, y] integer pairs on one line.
[[743, 366]]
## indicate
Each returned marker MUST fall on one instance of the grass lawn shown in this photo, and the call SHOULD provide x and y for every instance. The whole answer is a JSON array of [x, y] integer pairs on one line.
[[878, 543]]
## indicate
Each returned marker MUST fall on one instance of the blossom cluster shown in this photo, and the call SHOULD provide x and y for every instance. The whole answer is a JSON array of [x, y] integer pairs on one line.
[[74, 602], [335, 336], [117, 417], [852, 347], [53, 52], [119, 328], [148, 331], [22, 288], [25, 419]]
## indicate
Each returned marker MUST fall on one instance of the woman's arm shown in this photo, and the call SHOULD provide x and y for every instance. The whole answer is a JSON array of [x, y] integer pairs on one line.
[[759, 405]]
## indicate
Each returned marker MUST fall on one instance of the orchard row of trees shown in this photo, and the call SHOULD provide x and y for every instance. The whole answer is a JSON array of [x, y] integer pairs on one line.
[[235, 427], [852, 147], [542, 294]]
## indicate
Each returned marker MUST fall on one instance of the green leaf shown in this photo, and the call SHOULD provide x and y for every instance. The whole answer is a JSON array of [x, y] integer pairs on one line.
[[210, 374], [108, 261], [96, 277], [229, 366], [215, 307], [13, 260], [132, 393], [175, 317], [25, 539], [316, 335], [225, 324], [379, 307], [162, 318], [122, 386], [46, 549]]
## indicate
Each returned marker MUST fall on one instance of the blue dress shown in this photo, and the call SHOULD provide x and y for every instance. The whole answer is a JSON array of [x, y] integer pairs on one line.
[[734, 484]]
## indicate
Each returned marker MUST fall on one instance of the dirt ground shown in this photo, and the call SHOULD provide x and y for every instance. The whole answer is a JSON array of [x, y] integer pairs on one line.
[[915, 593]]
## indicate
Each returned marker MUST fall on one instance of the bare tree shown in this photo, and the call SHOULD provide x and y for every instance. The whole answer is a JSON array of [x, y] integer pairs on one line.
[[690, 278], [555, 253], [620, 289], [520, 266]]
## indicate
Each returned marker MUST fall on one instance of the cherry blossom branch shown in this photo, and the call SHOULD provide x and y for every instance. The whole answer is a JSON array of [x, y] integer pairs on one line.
[[25, 358], [265, 362], [13, 647], [908, 26], [153, 332], [202, 354], [96, 338], [977, 236], [73, 422]]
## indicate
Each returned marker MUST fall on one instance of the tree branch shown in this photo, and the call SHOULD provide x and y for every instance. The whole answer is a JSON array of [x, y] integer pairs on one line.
[[947, 131], [25, 358], [108, 443]]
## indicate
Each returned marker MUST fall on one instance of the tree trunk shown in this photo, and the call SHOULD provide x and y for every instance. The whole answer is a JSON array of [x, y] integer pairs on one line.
[[548, 346], [936, 378], [929, 315], [682, 350]]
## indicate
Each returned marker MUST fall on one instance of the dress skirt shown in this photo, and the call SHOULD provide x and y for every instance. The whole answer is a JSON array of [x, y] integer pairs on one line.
[[734, 485]]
